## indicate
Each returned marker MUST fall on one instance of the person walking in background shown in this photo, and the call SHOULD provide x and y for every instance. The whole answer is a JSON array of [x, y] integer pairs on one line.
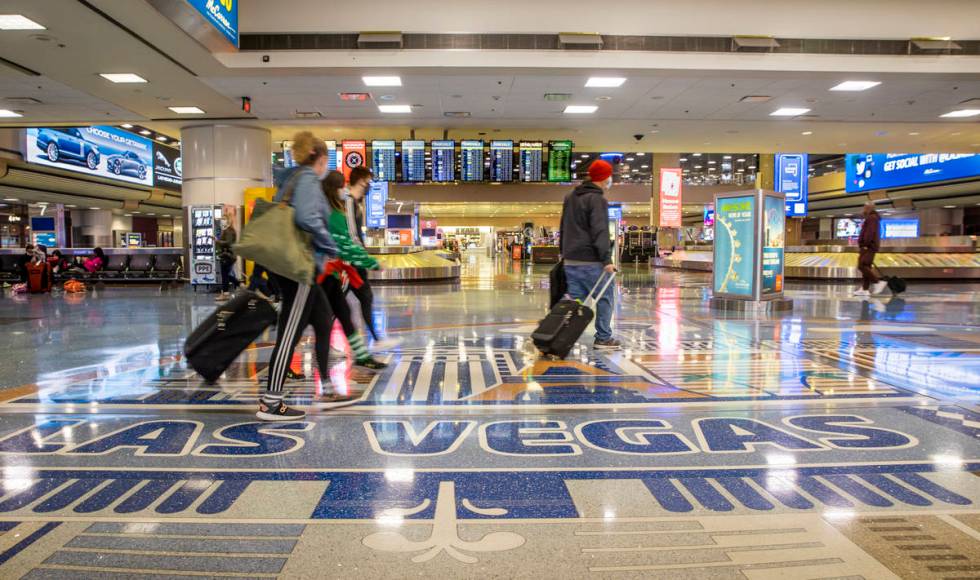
[[301, 186], [226, 257], [869, 242], [586, 249], [354, 254], [360, 181]]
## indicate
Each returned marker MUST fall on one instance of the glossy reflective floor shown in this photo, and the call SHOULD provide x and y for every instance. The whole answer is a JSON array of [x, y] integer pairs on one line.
[[841, 440]]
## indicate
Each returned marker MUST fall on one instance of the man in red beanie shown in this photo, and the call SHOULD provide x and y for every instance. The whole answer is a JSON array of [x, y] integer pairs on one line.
[[585, 246]]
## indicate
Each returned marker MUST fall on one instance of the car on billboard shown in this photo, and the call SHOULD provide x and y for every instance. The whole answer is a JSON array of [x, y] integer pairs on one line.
[[68, 145], [128, 163]]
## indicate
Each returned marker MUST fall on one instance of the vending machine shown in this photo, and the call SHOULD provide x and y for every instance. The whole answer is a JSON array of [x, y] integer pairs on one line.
[[204, 232]]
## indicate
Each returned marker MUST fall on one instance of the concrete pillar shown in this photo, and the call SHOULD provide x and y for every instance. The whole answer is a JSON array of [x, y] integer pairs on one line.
[[765, 175], [221, 161], [668, 237]]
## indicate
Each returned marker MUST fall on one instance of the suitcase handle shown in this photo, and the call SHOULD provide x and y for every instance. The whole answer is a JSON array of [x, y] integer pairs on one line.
[[592, 293]]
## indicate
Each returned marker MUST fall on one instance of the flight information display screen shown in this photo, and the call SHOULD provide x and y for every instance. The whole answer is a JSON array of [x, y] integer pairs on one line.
[[501, 161], [560, 161], [383, 156], [471, 160], [532, 154], [444, 160], [413, 160]]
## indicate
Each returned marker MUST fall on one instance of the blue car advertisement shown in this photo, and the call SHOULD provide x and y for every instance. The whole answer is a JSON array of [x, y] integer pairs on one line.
[[869, 171], [97, 151]]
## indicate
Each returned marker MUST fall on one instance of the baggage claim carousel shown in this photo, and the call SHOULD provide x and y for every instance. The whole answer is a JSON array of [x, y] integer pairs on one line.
[[918, 258], [412, 264]]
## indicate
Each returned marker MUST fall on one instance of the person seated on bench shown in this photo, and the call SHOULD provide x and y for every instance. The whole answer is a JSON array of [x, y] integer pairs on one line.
[[92, 264], [59, 263]]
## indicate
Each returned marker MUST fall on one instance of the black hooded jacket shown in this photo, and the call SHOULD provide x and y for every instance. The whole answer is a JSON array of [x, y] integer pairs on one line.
[[585, 225]]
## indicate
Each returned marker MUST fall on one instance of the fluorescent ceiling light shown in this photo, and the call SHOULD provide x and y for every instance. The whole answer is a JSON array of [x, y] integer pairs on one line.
[[395, 108], [187, 110], [8, 113], [126, 126], [18, 22], [605, 82], [580, 109], [962, 113], [382, 81], [807, 133], [122, 77], [855, 86], [145, 132], [789, 112]]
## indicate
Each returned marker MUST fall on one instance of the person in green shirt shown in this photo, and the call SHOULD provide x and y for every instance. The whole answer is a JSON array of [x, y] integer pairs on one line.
[[354, 254]]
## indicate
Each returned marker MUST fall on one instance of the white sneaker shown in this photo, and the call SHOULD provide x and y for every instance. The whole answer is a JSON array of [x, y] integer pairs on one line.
[[861, 293], [386, 343], [879, 287], [877, 306]]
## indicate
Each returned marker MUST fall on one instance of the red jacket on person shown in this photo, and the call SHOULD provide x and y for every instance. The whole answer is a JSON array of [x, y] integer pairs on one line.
[[870, 237]]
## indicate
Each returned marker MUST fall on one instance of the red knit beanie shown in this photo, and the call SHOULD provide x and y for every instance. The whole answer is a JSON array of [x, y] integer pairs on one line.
[[599, 171]]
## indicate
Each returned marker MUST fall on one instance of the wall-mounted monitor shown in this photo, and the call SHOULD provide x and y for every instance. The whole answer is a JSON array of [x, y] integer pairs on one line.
[[399, 221], [501, 161], [560, 161], [471, 159], [444, 160], [531, 155], [413, 160], [905, 228], [383, 160], [847, 227]]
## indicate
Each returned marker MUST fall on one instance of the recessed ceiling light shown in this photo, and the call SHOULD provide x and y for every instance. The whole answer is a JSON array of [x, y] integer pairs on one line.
[[741, 160], [8, 113], [95, 208], [126, 126], [913, 133], [751, 166], [789, 112], [161, 138], [11, 199], [949, 206], [962, 113], [712, 162], [122, 77], [807, 133], [726, 156], [395, 108], [683, 159], [145, 132], [605, 82], [580, 109], [603, 98], [696, 154], [855, 85], [388, 81], [18, 22], [187, 110]]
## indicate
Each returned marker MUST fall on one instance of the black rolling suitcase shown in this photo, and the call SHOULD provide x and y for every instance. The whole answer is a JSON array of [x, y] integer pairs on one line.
[[563, 326], [895, 284], [218, 341]]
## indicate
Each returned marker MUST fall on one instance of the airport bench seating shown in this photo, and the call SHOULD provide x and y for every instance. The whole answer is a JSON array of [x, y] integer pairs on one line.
[[134, 268]]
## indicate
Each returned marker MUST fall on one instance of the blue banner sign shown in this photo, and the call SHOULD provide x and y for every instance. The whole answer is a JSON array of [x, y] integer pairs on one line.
[[792, 180], [375, 201], [734, 246], [868, 171], [222, 14], [104, 152]]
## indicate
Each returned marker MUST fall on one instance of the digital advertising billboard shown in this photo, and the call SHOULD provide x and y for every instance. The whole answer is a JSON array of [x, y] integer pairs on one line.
[[773, 242], [98, 151], [670, 197], [167, 168], [792, 179], [734, 246], [870, 171]]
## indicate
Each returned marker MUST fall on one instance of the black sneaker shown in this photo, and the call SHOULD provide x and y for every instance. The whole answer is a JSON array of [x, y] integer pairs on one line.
[[371, 364], [608, 344], [336, 398], [278, 412], [294, 376]]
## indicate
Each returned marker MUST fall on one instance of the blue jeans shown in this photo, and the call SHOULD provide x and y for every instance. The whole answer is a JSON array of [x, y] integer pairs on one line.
[[580, 281]]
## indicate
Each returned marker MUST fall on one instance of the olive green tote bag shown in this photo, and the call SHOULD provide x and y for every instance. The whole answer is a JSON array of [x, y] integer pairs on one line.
[[271, 239]]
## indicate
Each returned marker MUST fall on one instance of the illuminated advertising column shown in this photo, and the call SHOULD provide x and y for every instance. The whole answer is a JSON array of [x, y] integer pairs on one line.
[[749, 247], [670, 197]]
